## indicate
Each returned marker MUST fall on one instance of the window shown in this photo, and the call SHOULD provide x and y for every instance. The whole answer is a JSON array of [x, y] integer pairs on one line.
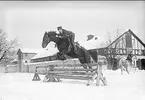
[[26, 54], [25, 61]]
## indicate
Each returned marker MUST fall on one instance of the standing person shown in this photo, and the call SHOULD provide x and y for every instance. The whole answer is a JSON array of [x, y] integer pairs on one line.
[[67, 34]]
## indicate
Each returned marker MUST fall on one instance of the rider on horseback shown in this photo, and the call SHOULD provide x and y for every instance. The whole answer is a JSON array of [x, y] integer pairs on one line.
[[67, 34], [129, 57]]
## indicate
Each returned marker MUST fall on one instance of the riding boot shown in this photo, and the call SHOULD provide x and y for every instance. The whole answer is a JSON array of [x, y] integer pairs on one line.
[[69, 48], [75, 49]]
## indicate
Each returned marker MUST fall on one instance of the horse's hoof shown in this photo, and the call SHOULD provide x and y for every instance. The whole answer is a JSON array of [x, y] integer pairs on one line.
[[97, 84]]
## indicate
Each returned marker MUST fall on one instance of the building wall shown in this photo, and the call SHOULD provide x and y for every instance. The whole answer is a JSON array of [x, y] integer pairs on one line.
[[49, 58], [26, 58], [28, 55]]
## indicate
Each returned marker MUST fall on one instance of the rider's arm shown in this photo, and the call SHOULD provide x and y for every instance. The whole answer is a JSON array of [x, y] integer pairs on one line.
[[65, 35]]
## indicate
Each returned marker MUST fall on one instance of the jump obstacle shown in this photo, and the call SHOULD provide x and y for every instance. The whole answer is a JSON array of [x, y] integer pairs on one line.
[[54, 73]]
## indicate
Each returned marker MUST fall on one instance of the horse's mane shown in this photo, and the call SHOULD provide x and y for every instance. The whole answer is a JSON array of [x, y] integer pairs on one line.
[[51, 32], [54, 33]]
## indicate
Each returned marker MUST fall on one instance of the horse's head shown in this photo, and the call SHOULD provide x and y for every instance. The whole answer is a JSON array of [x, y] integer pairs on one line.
[[48, 37]]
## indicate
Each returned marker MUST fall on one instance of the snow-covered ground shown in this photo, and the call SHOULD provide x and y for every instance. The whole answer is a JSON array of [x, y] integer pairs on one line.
[[19, 86]]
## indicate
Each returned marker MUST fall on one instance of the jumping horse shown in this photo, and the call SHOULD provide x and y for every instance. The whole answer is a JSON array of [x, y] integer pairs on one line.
[[82, 54]]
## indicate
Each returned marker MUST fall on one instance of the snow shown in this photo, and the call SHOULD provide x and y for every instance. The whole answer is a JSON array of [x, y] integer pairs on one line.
[[19, 86], [91, 44], [30, 50], [48, 51]]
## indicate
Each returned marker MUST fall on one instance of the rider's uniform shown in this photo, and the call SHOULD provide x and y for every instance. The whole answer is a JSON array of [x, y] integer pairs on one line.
[[68, 34], [71, 36], [129, 58]]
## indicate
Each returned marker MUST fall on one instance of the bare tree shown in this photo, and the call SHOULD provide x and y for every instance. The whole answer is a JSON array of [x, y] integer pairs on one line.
[[7, 48], [113, 47]]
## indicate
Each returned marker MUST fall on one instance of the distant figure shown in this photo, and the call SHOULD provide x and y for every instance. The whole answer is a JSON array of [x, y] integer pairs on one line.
[[129, 57], [96, 38], [89, 37], [67, 34]]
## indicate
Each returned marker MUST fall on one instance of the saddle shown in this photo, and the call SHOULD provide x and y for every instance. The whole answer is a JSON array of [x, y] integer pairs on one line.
[[74, 48], [71, 46]]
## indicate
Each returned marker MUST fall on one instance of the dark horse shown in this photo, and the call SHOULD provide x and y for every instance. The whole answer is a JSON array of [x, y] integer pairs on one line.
[[83, 55]]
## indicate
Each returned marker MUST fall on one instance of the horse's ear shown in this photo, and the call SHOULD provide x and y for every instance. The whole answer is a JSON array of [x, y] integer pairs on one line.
[[45, 32]]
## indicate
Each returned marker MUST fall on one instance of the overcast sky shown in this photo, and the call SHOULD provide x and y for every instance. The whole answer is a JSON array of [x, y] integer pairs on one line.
[[29, 20]]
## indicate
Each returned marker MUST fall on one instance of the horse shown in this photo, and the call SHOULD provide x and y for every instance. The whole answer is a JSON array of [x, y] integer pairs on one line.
[[127, 65], [134, 64], [83, 55]]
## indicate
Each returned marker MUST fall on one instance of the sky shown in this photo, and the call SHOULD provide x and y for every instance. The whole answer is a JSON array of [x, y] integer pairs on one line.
[[28, 20]]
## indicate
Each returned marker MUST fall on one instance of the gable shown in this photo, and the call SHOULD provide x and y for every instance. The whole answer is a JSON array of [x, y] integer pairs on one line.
[[127, 40]]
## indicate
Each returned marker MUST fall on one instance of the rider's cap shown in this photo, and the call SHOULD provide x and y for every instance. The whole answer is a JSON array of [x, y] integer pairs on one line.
[[59, 27]]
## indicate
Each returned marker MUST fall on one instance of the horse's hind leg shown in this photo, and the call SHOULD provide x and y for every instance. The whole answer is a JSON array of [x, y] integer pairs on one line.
[[121, 70], [127, 69]]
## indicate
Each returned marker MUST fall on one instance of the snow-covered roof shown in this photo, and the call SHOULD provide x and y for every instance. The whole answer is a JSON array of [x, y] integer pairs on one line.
[[29, 50], [48, 51], [91, 44]]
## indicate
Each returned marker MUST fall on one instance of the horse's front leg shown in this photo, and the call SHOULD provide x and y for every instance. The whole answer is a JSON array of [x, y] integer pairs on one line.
[[60, 56], [89, 65], [85, 66], [127, 68], [133, 68]]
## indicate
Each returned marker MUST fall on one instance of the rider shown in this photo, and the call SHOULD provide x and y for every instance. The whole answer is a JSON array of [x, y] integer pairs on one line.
[[129, 57], [67, 34]]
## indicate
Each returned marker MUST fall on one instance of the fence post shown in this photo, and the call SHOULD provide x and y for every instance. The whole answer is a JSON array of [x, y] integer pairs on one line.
[[6, 69]]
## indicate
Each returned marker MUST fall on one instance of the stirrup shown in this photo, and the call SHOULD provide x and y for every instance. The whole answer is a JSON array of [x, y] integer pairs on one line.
[[75, 50]]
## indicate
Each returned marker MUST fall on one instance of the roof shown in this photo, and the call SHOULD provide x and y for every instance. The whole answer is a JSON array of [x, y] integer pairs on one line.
[[29, 50], [50, 50], [92, 44], [127, 31], [136, 37], [45, 53]]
